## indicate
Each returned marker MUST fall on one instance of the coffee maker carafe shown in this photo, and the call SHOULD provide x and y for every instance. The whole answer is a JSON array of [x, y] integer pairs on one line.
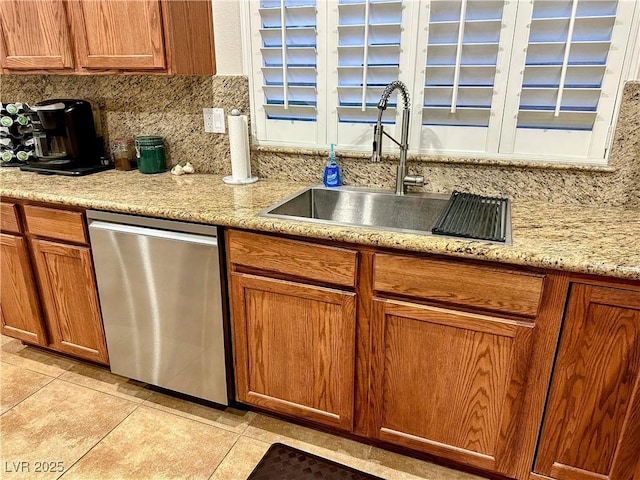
[[65, 138]]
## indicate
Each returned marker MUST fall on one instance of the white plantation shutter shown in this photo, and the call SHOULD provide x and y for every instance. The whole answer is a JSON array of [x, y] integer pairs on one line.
[[465, 67], [368, 36], [285, 70], [525, 79], [568, 76]]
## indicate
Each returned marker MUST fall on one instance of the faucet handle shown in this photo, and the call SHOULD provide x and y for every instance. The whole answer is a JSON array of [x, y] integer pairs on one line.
[[377, 142]]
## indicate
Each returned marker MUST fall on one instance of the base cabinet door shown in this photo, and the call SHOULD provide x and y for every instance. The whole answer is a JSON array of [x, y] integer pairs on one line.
[[19, 304], [294, 348], [449, 383], [591, 429], [69, 298]]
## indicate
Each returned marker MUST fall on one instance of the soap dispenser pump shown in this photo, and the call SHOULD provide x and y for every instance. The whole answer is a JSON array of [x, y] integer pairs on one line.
[[332, 170]]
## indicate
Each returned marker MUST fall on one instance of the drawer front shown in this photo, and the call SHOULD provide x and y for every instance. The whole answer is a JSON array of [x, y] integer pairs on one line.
[[494, 289], [291, 257], [56, 224], [9, 218]]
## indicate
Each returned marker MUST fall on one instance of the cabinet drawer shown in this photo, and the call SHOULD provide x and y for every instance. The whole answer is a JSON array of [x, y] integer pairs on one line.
[[9, 218], [291, 257], [494, 289], [54, 223]]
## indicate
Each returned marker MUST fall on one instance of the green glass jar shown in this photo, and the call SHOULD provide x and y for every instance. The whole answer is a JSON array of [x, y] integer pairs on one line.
[[151, 154]]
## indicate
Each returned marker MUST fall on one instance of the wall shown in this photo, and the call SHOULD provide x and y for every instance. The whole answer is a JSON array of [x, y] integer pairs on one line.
[[617, 184], [172, 107], [227, 36], [130, 105]]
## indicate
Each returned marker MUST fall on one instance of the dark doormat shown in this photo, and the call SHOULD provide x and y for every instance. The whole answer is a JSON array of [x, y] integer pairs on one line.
[[282, 462]]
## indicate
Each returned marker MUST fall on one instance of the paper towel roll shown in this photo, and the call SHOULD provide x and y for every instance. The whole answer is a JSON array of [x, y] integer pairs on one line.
[[239, 145]]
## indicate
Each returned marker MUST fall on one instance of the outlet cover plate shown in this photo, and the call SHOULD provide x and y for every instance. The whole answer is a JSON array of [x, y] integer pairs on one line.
[[213, 120]]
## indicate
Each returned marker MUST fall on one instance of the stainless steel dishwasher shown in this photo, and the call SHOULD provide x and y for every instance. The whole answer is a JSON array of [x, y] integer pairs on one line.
[[159, 285]]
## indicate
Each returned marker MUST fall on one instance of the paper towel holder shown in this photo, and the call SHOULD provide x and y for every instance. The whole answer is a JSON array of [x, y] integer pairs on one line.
[[239, 142]]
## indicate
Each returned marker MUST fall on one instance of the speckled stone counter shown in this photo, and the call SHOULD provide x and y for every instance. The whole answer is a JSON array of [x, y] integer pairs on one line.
[[602, 241]]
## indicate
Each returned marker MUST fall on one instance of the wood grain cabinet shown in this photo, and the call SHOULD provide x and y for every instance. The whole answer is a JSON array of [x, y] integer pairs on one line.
[[294, 341], [19, 305], [49, 295], [454, 372], [93, 36], [456, 359], [591, 430], [35, 35]]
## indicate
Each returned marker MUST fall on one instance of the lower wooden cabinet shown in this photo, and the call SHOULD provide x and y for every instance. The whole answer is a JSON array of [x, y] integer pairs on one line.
[[424, 356], [48, 290], [69, 297], [19, 306], [294, 348], [449, 383], [591, 430]]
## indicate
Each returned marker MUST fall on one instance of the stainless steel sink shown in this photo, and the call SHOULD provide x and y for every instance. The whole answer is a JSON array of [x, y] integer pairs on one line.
[[412, 213]]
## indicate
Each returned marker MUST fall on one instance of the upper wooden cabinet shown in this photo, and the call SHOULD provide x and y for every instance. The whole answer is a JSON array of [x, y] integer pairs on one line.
[[107, 36], [118, 34], [34, 35], [592, 427]]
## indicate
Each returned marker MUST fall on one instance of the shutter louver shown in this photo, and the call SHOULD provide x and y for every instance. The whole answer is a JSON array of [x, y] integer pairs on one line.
[[289, 67], [462, 52], [566, 60], [369, 34]]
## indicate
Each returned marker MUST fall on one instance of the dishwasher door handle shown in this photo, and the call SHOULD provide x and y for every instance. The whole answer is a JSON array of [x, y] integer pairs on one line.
[[152, 232]]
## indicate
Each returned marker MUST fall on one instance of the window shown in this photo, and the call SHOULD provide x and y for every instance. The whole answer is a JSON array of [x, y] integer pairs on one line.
[[514, 79]]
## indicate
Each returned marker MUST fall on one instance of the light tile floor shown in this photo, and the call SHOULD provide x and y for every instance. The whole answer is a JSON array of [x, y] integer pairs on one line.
[[72, 420]]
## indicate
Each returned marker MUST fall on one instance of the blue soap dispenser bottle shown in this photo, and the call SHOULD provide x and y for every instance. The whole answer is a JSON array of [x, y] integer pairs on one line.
[[332, 170]]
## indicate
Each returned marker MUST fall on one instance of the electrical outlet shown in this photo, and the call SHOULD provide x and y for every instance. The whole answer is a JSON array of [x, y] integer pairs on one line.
[[213, 120]]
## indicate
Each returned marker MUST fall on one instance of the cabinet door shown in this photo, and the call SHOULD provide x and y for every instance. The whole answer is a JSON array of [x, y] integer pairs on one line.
[[35, 35], [118, 34], [592, 425], [294, 348], [449, 383], [19, 304], [70, 299]]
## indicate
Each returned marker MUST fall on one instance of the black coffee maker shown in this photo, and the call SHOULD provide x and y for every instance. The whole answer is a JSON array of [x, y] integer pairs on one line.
[[65, 139]]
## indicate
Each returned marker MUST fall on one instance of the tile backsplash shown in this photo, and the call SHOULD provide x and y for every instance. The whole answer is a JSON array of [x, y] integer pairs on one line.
[[171, 106]]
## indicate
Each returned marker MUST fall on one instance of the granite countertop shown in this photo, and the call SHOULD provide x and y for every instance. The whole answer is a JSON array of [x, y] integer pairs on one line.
[[573, 238]]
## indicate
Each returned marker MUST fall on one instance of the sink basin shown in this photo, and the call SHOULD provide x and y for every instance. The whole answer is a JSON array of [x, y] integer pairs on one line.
[[381, 209]]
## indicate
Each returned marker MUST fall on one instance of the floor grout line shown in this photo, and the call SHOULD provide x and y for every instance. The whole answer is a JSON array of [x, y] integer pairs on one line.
[[101, 391], [99, 441], [223, 459], [51, 379], [148, 404], [31, 348]]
